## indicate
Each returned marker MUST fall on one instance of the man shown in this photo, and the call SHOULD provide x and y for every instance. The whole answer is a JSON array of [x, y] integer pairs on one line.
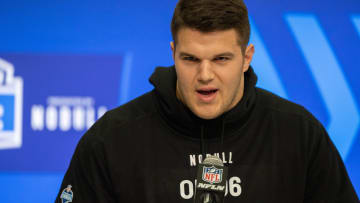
[[148, 149]]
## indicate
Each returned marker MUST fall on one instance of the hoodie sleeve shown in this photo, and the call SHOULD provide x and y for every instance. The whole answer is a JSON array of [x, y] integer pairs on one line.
[[327, 179], [87, 179]]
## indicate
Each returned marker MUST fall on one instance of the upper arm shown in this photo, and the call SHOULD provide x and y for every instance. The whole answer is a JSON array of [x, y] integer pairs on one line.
[[88, 174], [327, 179]]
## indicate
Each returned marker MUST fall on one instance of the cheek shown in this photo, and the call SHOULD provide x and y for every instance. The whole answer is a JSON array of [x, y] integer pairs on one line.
[[185, 77], [183, 83], [231, 83]]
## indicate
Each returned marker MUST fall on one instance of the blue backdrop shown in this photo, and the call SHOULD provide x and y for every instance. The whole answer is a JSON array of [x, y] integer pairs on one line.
[[63, 64]]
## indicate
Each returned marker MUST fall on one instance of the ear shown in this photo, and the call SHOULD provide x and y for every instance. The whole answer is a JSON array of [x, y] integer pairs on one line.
[[172, 45], [249, 52]]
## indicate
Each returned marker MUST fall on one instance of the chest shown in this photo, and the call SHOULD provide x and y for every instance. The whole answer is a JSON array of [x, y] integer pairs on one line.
[[159, 169]]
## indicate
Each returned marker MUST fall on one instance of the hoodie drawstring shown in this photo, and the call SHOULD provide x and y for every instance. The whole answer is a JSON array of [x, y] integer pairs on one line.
[[222, 135], [202, 140]]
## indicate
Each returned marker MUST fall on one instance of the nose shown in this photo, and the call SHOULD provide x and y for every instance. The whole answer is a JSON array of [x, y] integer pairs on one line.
[[206, 74]]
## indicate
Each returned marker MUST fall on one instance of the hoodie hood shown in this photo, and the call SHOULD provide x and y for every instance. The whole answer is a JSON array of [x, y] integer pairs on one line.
[[183, 120]]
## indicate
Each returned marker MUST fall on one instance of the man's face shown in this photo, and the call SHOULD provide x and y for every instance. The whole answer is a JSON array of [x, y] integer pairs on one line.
[[210, 70]]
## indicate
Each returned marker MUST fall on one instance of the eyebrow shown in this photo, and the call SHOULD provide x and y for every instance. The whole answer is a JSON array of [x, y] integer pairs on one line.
[[228, 54], [186, 54]]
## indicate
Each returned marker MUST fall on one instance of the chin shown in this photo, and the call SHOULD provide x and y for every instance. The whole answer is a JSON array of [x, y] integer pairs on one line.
[[207, 115], [206, 112]]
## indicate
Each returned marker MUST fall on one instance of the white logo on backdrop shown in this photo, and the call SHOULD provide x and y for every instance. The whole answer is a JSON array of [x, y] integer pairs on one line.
[[11, 101], [65, 113]]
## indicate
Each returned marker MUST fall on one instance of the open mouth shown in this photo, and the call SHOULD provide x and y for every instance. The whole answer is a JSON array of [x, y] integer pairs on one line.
[[206, 95], [207, 92]]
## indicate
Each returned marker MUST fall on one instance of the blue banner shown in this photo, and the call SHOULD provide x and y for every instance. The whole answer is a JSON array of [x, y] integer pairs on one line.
[[61, 96], [63, 64]]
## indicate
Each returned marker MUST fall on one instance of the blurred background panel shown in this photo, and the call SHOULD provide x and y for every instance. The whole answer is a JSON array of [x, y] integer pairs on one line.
[[63, 64]]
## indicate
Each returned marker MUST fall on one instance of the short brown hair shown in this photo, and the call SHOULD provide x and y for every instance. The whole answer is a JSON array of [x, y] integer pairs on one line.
[[212, 15]]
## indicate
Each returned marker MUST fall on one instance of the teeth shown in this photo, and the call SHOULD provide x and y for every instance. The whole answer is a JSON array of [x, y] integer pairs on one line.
[[207, 92]]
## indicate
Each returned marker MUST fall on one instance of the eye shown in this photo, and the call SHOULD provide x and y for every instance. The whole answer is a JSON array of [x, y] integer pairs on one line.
[[190, 58], [221, 58]]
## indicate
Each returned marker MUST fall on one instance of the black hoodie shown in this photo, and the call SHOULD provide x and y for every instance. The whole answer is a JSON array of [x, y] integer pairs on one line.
[[148, 151]]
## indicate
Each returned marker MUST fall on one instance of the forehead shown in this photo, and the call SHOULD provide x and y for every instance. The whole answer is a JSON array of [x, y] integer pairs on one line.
[[194, 41]]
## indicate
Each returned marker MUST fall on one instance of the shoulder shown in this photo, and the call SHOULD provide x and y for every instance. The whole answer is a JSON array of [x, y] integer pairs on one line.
[[295, 122], [133, 110], [277, 105], [116, 121], [106, 135]]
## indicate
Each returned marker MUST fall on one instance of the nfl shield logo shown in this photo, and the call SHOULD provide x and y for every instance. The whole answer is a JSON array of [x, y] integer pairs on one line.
[[212, 174], [67, 195]]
